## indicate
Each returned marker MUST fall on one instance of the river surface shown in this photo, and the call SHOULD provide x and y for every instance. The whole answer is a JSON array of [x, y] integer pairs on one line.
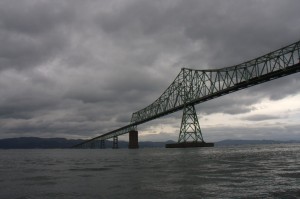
[[258, 171]]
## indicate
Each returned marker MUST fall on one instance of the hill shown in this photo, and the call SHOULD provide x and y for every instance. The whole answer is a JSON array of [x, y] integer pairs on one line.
[[35, 142], [52, 143], [252, 142]]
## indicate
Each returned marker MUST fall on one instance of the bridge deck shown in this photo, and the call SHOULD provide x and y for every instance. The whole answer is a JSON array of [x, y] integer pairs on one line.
[[192, 87]]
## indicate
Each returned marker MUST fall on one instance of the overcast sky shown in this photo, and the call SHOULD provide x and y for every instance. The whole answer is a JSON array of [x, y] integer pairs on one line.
[[78, 69]]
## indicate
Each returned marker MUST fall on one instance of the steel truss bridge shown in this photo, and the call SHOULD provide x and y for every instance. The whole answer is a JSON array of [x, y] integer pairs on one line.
[[192, 87]]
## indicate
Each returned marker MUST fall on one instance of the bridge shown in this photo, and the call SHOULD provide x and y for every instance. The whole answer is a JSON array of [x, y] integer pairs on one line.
[[192, 87]]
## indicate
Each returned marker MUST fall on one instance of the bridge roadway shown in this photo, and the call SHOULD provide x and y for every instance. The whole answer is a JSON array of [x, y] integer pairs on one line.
[[192, 86]]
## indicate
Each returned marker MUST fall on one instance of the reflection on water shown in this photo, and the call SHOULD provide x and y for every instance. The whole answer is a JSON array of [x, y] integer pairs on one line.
[[268, 171]]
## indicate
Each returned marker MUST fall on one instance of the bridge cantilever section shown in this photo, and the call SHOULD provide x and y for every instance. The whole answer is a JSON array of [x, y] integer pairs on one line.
[[193, 86]]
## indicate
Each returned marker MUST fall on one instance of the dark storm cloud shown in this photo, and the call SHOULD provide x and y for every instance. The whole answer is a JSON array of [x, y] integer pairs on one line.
[[77, 68], [216, 33], [31, 32], [241, 30]]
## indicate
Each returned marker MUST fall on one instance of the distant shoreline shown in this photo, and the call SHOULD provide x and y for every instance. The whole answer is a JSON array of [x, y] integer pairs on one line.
[[63, 143]]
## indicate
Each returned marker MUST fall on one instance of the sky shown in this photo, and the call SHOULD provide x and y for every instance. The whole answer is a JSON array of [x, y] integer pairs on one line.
[[78, 69]]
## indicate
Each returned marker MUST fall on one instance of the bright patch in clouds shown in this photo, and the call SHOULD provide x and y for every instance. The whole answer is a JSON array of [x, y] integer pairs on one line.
[[266, 120]]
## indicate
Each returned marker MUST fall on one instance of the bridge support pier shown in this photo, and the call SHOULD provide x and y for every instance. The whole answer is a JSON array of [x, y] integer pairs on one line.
[[133, 140], [190, 133], [115, 142], [190, 128], [102, 144]]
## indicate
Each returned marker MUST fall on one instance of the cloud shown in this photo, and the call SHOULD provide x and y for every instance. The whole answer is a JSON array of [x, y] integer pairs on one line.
[[32, 33], [261, 117], [81, 68], [276, 132]]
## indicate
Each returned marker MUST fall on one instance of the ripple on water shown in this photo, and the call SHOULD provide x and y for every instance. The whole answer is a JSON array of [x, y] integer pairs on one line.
[[290, 175], [90, 169], [237, 172]]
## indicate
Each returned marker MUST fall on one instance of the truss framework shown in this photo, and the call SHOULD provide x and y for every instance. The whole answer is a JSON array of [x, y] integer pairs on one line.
[[190, 129], [192, 86]]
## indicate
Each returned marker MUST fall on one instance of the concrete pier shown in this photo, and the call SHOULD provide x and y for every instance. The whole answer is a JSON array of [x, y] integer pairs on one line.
[[189, 145], [133, 140], [115, 142]]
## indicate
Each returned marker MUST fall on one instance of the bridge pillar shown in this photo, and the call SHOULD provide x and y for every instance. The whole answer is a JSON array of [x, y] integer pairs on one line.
[[102, 144], [133, 140], [190, 128], [115, 142], [190, 133]]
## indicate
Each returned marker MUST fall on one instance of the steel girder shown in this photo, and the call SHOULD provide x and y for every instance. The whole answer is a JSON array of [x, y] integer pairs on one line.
[[100, 139], [193, 86], [190, 129]]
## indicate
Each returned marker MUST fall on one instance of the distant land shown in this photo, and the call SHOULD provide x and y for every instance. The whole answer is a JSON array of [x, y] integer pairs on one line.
[[62, 143]]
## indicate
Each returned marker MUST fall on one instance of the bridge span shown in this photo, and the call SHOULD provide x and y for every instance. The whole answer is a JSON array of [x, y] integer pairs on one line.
[[192, 87]]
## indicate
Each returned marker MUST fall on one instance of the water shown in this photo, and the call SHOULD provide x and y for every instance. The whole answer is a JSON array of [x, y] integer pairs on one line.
[[261, 171]]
